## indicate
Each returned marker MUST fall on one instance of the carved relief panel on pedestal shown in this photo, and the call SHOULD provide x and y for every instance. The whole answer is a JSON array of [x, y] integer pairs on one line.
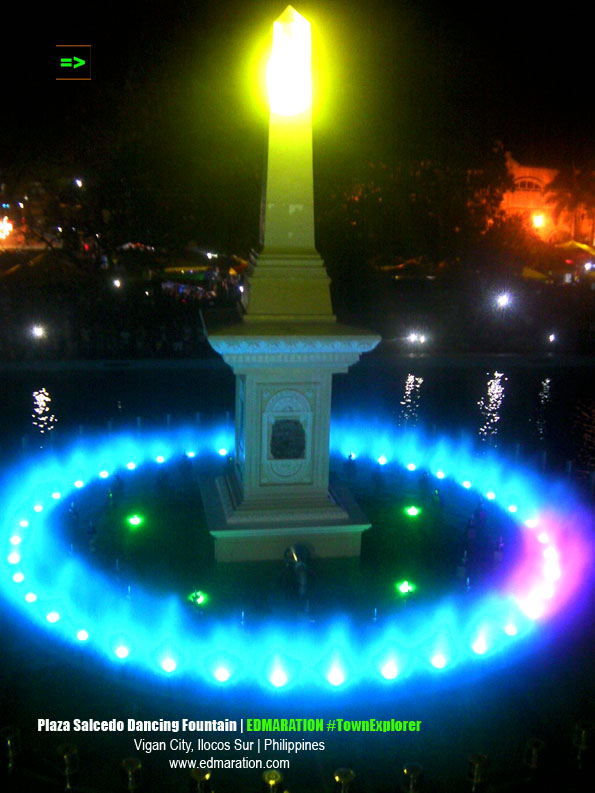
[[287, 425]]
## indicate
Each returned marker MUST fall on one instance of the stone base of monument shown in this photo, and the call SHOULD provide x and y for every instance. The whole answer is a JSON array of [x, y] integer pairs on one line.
[[330, 526]]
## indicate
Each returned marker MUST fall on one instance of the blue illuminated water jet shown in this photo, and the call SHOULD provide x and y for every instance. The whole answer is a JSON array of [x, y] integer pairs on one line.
[[139, 630]]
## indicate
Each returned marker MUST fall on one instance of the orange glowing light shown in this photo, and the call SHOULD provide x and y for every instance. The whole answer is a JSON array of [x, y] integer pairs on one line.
[[539, 221], [5, 228]]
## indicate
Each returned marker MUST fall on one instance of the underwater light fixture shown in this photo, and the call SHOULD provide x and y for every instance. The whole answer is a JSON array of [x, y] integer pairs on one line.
[[389, 670], [169, 665], [532, 607], [547, 558], [278, 677], [335, 676], [222, 674], [198, 597]]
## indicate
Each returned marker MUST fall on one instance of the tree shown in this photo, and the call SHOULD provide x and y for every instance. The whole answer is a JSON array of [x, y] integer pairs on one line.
[[572, 190], [422, 208]]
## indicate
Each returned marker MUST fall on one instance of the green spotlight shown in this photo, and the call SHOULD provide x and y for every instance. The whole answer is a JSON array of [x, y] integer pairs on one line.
[[404, 587], [198, 598], [135, 521], [412, 511]]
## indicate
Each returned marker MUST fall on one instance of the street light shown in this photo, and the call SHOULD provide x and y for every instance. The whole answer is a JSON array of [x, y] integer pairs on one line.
[[538, 221], [503, 300]]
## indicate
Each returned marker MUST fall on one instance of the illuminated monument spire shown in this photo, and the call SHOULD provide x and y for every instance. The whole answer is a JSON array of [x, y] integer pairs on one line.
[[290, 280], [285, 352]]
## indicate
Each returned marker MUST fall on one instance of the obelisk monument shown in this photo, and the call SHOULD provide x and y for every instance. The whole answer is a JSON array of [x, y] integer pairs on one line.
[[285, 352]]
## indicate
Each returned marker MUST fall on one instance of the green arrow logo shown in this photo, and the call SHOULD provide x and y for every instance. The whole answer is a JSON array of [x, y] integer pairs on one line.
[[66, 63]]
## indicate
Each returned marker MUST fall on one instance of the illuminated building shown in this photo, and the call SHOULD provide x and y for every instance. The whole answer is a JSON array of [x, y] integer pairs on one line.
[[536, 204]]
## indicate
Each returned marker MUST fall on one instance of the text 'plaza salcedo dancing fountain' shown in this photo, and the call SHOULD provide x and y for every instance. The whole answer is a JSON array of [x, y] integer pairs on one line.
[[273, 496]]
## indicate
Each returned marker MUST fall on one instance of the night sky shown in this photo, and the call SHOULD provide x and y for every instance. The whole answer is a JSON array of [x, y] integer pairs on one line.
[[425, 78]]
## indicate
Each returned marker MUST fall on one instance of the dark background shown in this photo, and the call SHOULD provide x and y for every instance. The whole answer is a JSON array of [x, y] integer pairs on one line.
[[424, 76]]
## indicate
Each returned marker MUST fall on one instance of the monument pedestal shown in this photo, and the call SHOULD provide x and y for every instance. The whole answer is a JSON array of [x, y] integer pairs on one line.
[[278, 493]]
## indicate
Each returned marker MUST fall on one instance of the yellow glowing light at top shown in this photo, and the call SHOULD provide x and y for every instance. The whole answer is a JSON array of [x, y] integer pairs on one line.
[[289, 73], [538, 221]]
